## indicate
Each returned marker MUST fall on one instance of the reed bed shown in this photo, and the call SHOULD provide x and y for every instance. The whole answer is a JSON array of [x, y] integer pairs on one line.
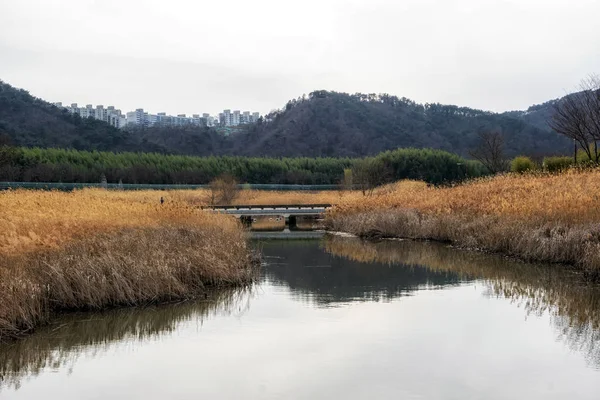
[[542, 217], [94, 249]]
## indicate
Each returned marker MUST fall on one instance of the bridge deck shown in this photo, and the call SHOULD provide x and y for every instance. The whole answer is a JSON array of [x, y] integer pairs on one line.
[[277, 209], [269, 207]]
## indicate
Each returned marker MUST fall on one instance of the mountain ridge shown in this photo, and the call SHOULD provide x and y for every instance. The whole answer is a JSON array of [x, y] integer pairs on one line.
[[324, 123]]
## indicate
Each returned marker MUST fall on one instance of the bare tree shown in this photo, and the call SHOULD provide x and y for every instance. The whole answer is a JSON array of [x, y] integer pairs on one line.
[[577, 116], [223, 190], [346, 184], [369, 173], [490, 152]]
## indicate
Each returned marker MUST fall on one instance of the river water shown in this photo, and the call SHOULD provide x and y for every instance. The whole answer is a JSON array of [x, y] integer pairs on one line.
[[336, 318]]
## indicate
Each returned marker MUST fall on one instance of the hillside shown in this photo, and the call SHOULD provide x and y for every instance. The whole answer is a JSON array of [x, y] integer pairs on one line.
[[330, 123], [323, 124], [32, 122], [537, 115]]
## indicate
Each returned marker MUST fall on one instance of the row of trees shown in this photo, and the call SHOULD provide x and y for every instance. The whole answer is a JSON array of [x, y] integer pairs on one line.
[[59, 165], [576, 116]]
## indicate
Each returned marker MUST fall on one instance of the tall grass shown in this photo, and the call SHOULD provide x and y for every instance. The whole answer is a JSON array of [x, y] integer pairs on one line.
[[544, 217], [94, 249]]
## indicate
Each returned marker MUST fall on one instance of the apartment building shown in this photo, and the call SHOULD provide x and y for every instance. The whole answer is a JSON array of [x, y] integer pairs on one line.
[[109, 115], [139, 117]]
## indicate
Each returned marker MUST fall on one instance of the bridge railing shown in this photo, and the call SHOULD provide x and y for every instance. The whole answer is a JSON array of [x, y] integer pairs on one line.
[[264, 206]]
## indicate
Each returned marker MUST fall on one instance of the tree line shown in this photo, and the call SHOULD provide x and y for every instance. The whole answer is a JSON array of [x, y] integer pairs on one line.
[[575, 116], [18, 164]]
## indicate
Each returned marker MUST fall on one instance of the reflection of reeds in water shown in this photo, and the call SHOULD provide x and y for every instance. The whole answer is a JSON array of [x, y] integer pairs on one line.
[[573, 304], [542, 217], [60, 345]]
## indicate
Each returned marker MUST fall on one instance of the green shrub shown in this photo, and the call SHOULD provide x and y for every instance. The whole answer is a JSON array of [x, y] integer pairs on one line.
[[557, 164], [64, 165], [522, 164], [582, 157]]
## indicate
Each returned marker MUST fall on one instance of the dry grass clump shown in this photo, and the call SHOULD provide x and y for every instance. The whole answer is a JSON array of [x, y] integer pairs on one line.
[[542, 217], [93, 249]]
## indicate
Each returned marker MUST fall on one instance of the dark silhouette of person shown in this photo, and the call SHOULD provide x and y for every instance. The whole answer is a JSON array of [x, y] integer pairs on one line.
[[162, 200]]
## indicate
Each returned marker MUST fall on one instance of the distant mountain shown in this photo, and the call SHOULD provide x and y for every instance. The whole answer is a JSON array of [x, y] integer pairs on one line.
[[321, 124], [29, 121], [537, 115], [32, 122], [339, 124]]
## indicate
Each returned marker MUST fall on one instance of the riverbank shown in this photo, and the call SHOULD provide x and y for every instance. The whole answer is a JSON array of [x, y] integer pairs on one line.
[[536, 217], [93, 249]]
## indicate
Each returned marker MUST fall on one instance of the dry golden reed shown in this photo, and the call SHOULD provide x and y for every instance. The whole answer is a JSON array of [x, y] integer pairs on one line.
[[543, 217], [93, 249]]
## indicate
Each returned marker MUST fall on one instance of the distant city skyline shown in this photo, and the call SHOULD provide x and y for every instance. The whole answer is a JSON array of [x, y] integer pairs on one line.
[[495, 55], [107, 105], [141, 117]]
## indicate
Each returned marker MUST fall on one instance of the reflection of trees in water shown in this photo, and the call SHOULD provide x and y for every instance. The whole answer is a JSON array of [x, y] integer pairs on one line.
[[318, 277], [70, 336], [574, 305]]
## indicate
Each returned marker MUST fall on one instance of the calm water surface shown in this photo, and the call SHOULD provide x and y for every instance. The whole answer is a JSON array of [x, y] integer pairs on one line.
[[334, 318]]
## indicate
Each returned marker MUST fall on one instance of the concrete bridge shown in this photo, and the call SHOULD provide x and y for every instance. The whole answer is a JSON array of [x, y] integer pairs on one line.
[[250, 213]]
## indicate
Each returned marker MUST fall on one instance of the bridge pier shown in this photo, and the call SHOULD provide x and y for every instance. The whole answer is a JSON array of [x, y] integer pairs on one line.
[[290, 222], [289, 213]]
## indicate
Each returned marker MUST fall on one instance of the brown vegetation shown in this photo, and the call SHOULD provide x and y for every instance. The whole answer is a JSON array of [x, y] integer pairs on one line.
[[93, 249], [223, 190], [490, 152], [542, 217]]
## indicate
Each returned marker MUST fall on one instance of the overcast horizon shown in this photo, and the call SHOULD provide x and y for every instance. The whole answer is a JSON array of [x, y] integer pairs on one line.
[[195, 57]]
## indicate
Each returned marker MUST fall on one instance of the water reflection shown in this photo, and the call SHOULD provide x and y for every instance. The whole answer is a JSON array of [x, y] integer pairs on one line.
[[573, 304], [321, 278], [314, 330], [59, 345]]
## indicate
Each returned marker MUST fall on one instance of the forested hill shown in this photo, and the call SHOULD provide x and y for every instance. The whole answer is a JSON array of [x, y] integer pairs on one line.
[[32, 122], [330, 123], [322, 124], [537, 115]]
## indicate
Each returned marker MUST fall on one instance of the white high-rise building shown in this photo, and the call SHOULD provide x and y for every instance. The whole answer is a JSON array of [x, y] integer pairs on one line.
[[136, 117], [139, 117], [245, 117]]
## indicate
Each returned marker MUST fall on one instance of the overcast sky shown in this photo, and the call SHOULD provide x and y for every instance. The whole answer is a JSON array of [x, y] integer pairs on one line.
[[202, 56]]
